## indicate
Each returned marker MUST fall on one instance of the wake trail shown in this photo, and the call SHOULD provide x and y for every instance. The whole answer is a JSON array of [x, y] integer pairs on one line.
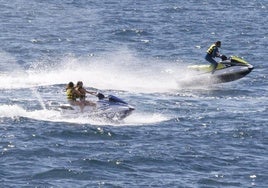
[[16, 111], [107, 72]]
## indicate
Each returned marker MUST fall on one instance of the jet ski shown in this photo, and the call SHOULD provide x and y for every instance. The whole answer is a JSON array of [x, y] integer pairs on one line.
[[229, 69], [109, 108]]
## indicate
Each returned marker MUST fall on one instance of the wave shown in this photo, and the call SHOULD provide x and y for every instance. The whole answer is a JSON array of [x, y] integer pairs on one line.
[[16, 111], [118, 71]]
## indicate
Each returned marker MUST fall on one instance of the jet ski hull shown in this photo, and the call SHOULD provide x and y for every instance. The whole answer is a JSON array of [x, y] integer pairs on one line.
[[227, 71], [230, 74], [109, 108]]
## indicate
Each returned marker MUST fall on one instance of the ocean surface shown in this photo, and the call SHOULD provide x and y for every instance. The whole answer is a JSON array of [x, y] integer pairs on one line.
[[207, 136]]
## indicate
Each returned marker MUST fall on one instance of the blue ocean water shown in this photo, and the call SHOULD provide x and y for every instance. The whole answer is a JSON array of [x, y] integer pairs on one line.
[[207, 136]]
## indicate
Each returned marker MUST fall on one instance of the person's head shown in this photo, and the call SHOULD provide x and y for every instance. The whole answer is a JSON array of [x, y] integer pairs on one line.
[[218, 44], [79, 84], [70, 85]]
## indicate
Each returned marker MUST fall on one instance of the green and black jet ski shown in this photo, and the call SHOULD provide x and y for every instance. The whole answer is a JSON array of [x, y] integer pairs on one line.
[[229, 69]]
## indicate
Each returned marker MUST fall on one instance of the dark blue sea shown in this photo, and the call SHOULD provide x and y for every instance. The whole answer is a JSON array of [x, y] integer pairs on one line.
[[210, 136]]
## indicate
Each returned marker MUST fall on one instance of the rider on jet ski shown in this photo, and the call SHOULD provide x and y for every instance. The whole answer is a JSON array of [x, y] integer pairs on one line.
[[72, 94], [212, 52], [79, 91], [79, 87]]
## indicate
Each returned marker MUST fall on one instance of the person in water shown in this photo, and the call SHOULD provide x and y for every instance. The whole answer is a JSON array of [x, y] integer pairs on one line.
[[72, 94], [79, 87], [213, 52]]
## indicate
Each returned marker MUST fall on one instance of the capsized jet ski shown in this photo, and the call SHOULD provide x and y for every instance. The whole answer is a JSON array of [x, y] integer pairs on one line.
[[109, 108], [229, 69]]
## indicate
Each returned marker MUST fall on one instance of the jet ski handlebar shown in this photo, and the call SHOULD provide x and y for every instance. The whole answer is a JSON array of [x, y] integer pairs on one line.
[[223, 57], [100, 96]]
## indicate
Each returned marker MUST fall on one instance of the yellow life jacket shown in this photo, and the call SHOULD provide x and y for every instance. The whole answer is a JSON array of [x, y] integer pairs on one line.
[[211, 48], [69, 94]]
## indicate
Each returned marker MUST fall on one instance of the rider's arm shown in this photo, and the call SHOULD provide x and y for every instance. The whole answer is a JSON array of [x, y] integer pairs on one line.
[[91, 92], [216, 52]]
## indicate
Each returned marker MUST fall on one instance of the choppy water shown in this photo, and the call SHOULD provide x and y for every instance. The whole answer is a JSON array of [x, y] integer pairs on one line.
[[209, 136]]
